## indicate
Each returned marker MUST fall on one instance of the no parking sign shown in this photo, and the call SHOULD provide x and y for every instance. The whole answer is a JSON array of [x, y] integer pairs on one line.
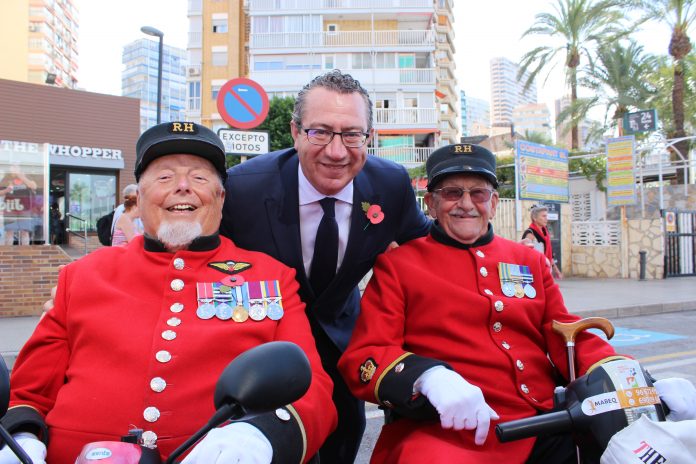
[[242, 103]]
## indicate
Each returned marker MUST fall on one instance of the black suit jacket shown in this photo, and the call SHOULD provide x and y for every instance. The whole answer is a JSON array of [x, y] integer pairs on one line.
[[261, 212]]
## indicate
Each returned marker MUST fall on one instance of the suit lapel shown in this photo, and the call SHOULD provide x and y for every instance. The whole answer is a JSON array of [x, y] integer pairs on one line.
[[283, 213], [360, 236]]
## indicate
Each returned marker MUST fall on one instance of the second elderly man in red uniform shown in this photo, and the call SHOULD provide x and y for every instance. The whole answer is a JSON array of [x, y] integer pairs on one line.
[[455, 331], [139, 334]]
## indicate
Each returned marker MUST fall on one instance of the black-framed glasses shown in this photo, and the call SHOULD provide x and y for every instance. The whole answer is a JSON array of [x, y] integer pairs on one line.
[[350, 139], [478, 195]]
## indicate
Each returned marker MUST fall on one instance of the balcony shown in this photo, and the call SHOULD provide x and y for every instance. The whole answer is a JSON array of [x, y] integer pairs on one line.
[[406, 78], [195, 40], [347, 39], [409, 157], [407, 117], [276, 5]]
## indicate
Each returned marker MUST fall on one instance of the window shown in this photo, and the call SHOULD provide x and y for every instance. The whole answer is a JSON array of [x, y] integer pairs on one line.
[[332, 29], [361, 61], [220, 55], [329, 61], [268, 65], [194, 96], [385, 60], [219, 23]]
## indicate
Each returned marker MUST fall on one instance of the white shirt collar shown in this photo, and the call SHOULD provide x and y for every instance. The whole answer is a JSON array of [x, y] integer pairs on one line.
[[308, 194]]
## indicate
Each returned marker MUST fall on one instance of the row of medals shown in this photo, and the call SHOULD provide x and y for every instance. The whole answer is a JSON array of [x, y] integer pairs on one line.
[[258, 310], [518, 290]]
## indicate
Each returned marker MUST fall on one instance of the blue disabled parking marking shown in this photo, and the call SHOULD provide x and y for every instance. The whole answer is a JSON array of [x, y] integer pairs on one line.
[[628, 337]]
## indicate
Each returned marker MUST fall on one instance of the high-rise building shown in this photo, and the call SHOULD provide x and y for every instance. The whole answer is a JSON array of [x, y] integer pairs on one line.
[[476, 115], [507, 93], [139, 79], [38, 40], [401, 51], [563, 134], [216, 53], [532, 117]]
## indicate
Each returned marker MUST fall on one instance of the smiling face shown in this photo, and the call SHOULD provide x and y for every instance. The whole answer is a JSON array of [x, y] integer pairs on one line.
[[183, 193], [331, 167], [462, 219]]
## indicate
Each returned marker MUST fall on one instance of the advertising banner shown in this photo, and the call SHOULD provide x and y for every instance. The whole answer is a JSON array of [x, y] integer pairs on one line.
[[542, 172], [621, 184]]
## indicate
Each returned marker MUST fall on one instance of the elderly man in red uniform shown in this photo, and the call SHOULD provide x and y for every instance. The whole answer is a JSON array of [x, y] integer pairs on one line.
[[456, 326], [139, 335]]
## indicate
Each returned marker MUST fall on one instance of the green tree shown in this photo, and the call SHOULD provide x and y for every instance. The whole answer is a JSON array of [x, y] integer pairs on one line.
[[277, 123], [616, 81], [575, 28], [679, 15], [662, 78]]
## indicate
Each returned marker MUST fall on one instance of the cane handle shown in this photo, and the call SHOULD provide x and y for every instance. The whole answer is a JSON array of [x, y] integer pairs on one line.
[[568, 330]]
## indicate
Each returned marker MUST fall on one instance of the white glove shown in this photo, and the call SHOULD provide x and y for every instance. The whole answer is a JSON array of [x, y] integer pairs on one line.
[[31, 445], [237, 442], [680, 397], [460, 404]]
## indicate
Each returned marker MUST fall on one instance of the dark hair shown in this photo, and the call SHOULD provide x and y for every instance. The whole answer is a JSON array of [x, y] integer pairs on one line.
[[338, 82], [129, 202]]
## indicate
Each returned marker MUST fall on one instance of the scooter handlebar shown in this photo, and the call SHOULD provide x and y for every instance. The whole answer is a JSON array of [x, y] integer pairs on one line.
[[554, 422]]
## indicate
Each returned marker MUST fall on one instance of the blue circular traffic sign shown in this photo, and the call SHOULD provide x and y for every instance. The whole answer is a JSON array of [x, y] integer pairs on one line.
[[242, 103]]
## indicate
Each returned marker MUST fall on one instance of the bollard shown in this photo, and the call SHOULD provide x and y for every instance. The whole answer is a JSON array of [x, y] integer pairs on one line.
[[642, 254]]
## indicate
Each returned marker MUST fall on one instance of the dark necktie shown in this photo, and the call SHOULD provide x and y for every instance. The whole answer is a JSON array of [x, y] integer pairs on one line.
[[325, 257]]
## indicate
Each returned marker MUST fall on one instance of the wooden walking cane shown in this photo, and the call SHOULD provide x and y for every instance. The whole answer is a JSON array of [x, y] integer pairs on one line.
[[568, 330]]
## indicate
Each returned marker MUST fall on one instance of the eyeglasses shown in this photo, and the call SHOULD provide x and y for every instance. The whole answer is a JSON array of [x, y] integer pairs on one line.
[[324, 137], [478, 195]]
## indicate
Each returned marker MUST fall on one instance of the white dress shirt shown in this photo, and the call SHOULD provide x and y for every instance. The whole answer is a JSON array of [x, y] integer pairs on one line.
[[311, 214]]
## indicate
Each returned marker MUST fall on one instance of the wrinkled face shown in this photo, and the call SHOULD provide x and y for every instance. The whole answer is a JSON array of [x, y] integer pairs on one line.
[[463, 220], [180, 190], [331, 167], [541, 218]]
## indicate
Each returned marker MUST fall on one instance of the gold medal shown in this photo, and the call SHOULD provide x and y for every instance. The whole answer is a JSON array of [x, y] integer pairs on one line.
[[519, 290], [240, 314]]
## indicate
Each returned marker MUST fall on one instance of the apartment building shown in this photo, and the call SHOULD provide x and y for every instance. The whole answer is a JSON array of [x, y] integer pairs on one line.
[[533, 118], [400, 50], [139, 79], [476, 115], [507, 93], [39, 42]]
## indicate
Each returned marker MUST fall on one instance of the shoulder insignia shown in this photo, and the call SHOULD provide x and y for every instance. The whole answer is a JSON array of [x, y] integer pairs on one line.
[[229, 266], [367, 370]]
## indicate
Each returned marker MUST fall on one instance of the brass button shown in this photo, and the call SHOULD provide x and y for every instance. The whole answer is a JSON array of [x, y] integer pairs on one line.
[[176, 307], [497, 327], [158, 384], [178, 264], [282, 414], [177, 285], [499, 305], [151, 414]]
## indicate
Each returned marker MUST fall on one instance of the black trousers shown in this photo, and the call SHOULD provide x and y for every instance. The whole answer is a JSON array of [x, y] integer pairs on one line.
[[553, 449], [341, 447]]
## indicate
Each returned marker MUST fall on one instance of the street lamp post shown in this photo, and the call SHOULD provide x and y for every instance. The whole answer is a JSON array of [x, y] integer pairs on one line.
[[157, 33]]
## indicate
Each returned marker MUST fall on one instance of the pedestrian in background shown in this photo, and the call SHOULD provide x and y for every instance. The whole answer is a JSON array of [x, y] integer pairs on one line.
[[537, 235]]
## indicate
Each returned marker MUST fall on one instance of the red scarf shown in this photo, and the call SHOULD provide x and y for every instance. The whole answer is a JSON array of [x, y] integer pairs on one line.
[[544, 233]]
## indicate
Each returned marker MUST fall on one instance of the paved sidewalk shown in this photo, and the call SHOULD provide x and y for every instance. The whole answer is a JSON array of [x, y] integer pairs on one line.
[[610, 298]]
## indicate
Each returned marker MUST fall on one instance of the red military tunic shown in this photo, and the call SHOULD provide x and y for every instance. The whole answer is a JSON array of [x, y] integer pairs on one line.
[[436, 302], [124, 344]]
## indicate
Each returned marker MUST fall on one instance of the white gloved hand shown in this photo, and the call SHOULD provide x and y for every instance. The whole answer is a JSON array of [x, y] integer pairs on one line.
[[460, 404], [238, 442], [31, 445], [680, 397]]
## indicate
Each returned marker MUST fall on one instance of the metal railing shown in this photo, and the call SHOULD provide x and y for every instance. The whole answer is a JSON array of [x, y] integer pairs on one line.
[[352, 39], [81, 233], [405, 116], [256, 5], [406, 156]]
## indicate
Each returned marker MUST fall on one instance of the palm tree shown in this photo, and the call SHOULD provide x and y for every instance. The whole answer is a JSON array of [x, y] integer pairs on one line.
[[578, 26], [679, 16], [617, 81]]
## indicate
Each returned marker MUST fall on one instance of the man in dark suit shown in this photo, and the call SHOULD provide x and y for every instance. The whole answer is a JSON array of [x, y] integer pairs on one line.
[[275, 203]]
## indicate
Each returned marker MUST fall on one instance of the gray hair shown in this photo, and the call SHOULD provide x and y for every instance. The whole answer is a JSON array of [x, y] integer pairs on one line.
[[536, 209], [130, 189], [335, 81]]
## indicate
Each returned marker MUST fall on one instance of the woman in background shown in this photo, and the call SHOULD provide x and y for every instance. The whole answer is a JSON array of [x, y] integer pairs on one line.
[[126, 226], [538, 236]]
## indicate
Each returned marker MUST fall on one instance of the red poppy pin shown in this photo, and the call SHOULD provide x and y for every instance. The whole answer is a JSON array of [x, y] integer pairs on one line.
[[374, 213]]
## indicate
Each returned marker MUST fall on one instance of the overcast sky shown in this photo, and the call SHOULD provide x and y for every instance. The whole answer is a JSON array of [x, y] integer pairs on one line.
[[483, 30]]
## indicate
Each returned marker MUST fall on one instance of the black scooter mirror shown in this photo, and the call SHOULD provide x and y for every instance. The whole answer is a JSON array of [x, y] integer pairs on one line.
[[4, 387], [259, 380]]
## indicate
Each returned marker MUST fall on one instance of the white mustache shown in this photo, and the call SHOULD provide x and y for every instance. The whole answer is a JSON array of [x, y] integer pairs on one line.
[[460, 212]]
